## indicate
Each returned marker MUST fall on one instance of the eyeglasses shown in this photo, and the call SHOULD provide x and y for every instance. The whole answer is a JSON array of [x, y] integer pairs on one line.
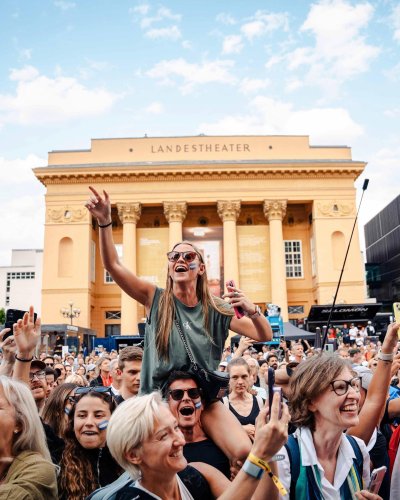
[[187, 256], [98, 389], [39, 375], [340, 387], [177, 394], [49, 364]]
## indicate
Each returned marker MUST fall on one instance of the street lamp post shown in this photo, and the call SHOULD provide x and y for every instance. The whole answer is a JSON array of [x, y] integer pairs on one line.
[[70, 312]]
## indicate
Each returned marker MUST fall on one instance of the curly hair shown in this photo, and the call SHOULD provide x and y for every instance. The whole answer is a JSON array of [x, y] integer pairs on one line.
[[166, 311], [311, 378], [77, 479]]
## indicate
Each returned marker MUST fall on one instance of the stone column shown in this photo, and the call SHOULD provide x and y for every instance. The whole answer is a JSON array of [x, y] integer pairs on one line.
[[229, 213], [274, 211], [175, 213], [129, 214]]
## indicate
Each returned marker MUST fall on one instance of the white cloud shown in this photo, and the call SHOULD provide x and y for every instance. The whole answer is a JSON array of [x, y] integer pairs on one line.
[[162, 14], [396, 22], [142, 9], [268, 116], [340, 51], [232, 44], [22, 205], [63, 5], [382, 165], [155, 108], [225, 18], [393, 73], [263, 23], [172, 33], [392, 113], [248, 85], [192, 74], [186, 44], [40, 99]]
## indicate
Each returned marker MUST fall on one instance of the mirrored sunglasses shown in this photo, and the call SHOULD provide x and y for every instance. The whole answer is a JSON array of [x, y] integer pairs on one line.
[[98, 389], [187, 256]]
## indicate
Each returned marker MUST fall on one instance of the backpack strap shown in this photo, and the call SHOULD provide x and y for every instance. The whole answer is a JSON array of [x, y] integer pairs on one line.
[[293, 451], [359, 460]]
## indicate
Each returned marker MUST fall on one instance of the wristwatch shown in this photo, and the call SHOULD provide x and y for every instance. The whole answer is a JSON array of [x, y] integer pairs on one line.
[[255, 314], [385, 356]]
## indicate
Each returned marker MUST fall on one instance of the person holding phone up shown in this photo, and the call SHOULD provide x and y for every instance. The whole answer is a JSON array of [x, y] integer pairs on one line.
[[187, 302]]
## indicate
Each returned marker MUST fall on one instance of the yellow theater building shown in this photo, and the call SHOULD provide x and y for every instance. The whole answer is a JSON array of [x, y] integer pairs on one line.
[[270, 212]]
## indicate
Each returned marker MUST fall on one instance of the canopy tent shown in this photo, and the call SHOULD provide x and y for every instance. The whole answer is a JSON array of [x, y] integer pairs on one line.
[[343, 313]]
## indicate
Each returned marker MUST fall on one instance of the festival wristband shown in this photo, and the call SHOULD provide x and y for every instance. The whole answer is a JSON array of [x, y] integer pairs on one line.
[[253, 470], [259, 462]]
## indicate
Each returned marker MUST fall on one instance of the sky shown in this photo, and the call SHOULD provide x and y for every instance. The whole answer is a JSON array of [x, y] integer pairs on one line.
[[73, 70]]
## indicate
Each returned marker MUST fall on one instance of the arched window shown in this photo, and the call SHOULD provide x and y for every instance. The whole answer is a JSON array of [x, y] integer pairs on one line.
[[65, 258]]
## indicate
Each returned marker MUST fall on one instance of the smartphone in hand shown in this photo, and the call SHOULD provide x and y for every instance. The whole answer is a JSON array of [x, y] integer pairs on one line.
[[396, 311], [239, 313], [272, 389], [377, 476], [12, 316]]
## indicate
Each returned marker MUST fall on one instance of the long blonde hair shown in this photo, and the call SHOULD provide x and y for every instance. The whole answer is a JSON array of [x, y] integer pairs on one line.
[[167, 309]]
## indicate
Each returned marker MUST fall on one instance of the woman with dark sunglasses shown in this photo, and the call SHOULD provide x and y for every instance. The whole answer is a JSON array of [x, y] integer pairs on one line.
[[187, 304], [86, 463]]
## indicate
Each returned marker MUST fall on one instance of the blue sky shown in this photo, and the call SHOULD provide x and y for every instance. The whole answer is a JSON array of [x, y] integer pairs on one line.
[[75, 70]]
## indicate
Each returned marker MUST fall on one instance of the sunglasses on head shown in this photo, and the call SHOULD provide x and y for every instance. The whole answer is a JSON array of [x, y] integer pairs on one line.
[[98, 389], [178, 394], [187, 256]]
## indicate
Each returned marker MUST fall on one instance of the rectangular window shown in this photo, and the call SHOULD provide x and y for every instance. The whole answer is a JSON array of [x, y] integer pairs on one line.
[[296, 309], [112, 330], [107, 275], [93, 261], [113, 314], [293, 259]]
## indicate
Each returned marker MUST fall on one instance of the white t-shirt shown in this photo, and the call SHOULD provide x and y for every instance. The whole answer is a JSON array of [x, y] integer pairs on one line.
[[309, 457], [185, 493]]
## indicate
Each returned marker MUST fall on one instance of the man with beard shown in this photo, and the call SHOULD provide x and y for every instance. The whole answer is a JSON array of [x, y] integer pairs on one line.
[[38, 383], [272, 361], [184, 399]]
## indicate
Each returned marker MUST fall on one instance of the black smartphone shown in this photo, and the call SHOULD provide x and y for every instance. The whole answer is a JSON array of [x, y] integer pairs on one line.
[[271, 383], [12, 316]]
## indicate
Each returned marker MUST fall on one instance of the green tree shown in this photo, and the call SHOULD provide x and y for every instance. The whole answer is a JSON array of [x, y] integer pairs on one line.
[[2, 316]]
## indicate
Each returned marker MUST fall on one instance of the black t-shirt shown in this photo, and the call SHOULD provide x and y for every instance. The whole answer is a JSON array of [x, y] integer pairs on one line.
[[208, 452]]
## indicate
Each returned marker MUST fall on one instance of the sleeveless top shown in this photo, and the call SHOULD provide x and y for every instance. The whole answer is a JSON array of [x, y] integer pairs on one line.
[[207, 352], [251, 417]]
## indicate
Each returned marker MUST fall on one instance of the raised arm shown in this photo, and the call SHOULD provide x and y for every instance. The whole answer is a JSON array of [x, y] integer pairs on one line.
[[138, 289], [374, 405], [9, 349], [256, 326], [27, 333]]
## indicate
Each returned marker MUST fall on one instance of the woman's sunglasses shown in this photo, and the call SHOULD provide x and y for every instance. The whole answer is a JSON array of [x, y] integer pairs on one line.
[[177, 394], [98, 389], [187, 256]]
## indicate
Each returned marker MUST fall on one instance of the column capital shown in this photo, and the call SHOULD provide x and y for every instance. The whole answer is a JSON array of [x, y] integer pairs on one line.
[[275, 209], [175, 211], [129, 212], [228, 210]]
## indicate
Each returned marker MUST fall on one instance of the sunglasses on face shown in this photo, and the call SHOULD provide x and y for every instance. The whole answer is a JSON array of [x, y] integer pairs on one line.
[[39, 375], [178, 394], [49, 364], [187, 256], [341, 387]]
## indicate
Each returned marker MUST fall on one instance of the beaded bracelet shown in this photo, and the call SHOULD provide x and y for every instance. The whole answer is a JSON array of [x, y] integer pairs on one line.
[[23, 360]]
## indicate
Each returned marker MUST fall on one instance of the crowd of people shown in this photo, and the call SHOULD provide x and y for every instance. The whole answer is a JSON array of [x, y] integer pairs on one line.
[[289, 421]]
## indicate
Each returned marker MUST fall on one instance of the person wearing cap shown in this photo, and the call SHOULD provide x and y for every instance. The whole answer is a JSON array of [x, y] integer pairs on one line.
[[91, 372], [222, 366]]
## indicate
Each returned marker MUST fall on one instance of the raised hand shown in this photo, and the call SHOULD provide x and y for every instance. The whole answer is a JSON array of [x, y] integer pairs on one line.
[[99, 207], [391, 338], [238, 299], [26, 333]]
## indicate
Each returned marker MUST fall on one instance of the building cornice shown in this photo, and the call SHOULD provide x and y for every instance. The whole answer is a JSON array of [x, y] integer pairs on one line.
[[190, 171]]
